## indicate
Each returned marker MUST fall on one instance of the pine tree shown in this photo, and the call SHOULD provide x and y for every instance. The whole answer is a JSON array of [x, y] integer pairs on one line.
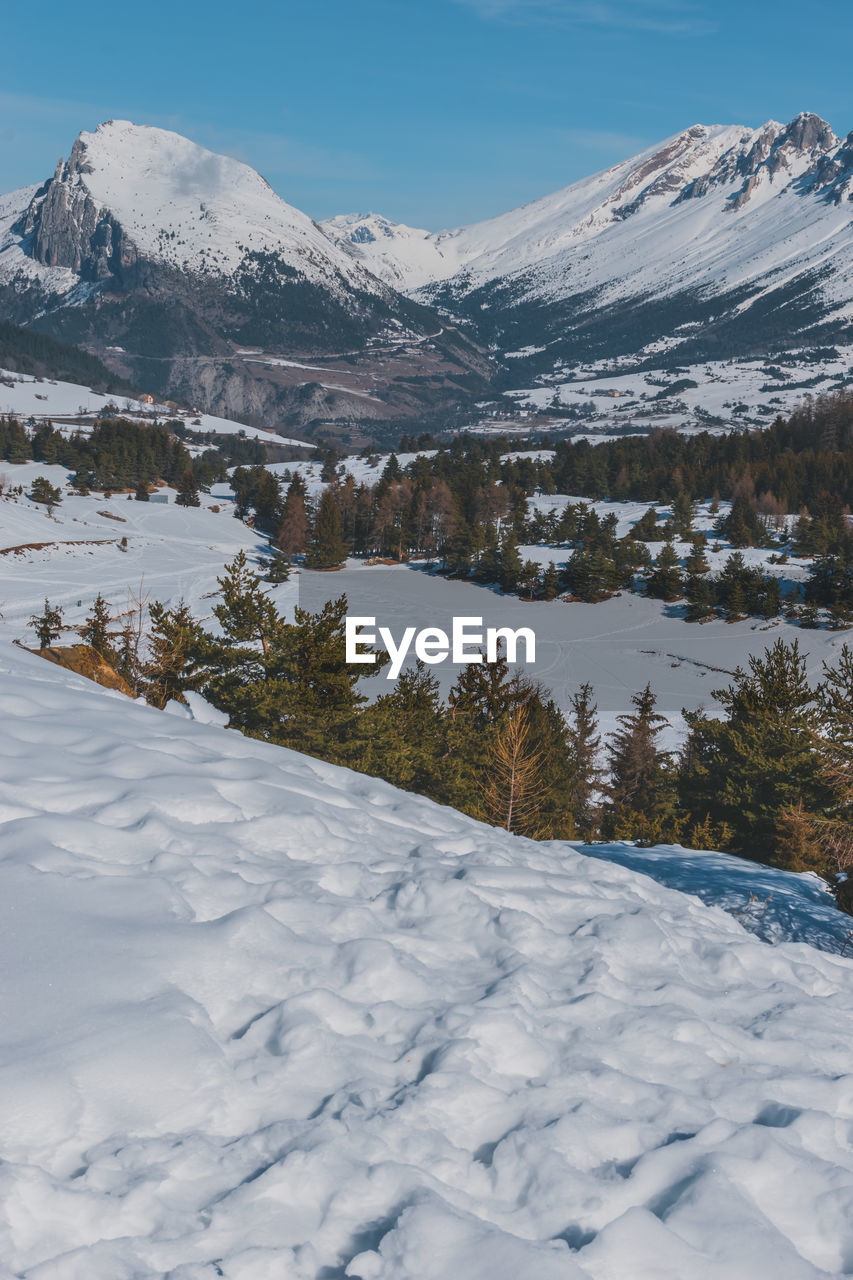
[[292, 534], [392, 472], [550, 583], [327, 549], [795, 845], [96, 629], [142, 494], [528, 580], [511, 567], [682, 514], [308, 696], [641, 788], [246, 614], [665, 581], [44, 492], [187, 491], [178, 656], [488, 568], [404, 733], [761, 759], [697, 562], [277, 567], [700, 596], [513, 789], [47, 625], [584, 747], [459, 550], [646, 529]]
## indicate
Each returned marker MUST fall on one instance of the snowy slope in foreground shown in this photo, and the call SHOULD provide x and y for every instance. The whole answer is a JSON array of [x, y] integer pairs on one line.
[[265, 1018]]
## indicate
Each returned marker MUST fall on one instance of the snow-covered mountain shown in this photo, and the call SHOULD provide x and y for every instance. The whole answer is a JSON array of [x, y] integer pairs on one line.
[[144, 242], [720, 240], [265, 1017], [129, 194]]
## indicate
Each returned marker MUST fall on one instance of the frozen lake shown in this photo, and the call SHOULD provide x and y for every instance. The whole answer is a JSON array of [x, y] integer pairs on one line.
[[617, 645]]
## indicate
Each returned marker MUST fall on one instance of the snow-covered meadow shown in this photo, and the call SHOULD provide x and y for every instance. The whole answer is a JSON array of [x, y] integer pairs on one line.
[[24, 397], [266, 1018], [176, 553], [711, 396]]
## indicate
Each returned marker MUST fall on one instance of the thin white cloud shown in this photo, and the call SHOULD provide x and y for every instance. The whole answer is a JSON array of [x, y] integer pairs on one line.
[[673, 17], [279, 155]]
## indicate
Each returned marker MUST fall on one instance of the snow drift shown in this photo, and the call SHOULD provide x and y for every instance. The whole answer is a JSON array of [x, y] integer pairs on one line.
[[267, 1018]]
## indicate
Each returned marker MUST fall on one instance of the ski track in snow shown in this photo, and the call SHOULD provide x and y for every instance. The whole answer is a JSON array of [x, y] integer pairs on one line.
[[269, 1018]]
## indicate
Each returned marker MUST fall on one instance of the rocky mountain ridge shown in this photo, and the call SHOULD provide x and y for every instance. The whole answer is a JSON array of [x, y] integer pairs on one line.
[[720, 240]]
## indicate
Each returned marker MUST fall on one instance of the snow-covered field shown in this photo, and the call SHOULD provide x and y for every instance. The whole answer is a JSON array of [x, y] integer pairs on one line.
[[24, 397], [172, 552], [177, 553], [727, 394], [265, 1019]]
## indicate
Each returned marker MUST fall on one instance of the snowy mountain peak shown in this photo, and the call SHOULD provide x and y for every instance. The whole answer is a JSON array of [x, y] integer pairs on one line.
[[404, 257], [742, 227], [689, 165], [132, 192]]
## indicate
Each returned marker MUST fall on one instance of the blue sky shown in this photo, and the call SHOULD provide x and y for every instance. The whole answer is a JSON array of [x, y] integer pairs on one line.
[[435, 114]]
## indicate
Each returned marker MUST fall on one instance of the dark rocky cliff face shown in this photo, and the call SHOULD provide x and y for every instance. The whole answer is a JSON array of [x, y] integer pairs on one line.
[[67, 229]]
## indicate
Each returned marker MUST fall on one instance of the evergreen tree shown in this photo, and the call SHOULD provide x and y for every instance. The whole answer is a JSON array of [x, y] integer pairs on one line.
[[277, 567], [187, 491], [665, 580], [179, 655], [292, 534], [404, 733], [142, 494], [488, 567], [308, 697], [528, 580], [761, 759], [646, 529], [641, 786], [47, 625], [513, 790], [682, 514], [550, 583], [44, 492], [246, 614], [96, 629], [511, 568], [697, 562], [393, 471], [459, 550], [327, 549], [584, 747], [700, 596]]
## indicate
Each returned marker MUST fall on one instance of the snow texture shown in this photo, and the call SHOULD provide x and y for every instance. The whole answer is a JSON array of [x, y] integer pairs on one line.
[[267, 1018]]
